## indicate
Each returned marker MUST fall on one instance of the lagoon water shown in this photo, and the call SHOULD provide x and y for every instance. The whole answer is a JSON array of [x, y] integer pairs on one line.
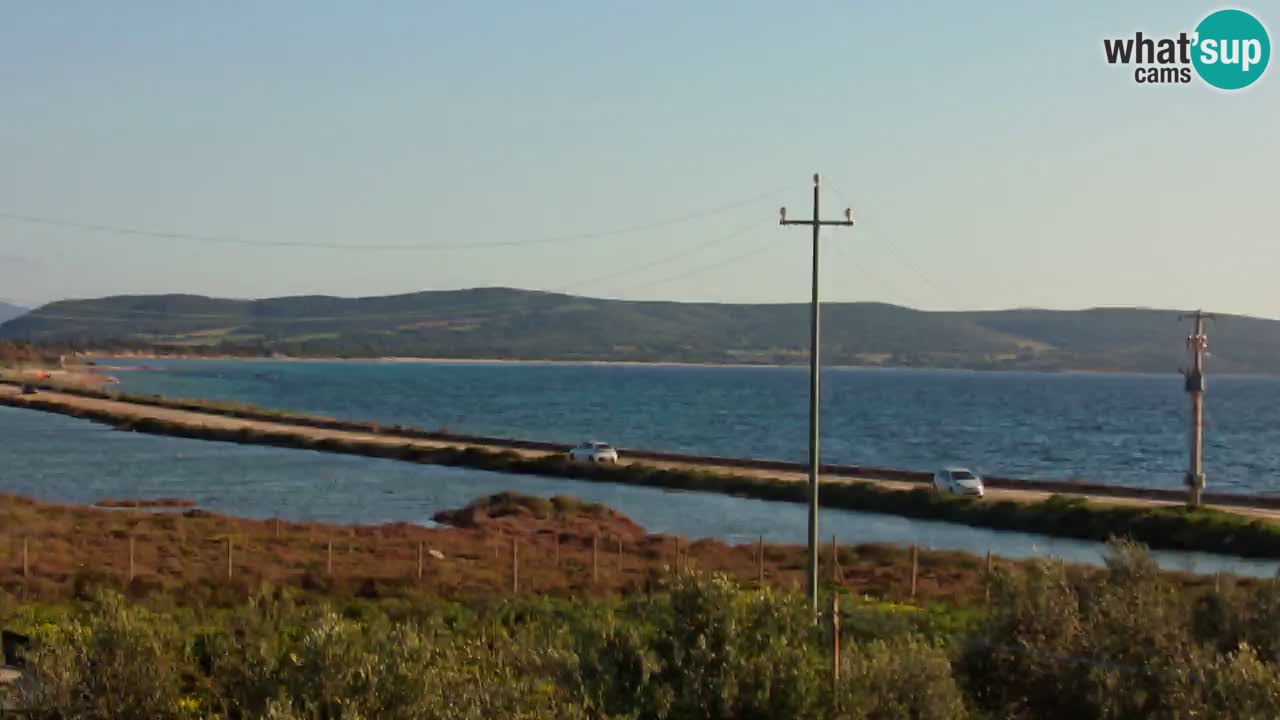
[[1126, 429], [63, 459], [1111, 428]]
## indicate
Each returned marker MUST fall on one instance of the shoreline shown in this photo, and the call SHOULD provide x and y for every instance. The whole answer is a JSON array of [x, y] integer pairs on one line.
[[410, 360], [78, 376]]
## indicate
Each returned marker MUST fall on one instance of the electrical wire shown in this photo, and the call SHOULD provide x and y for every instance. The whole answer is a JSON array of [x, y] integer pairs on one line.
[[135, 314], [891, 250], [662, 261], [754, 251], [127, 231], [132, 314]]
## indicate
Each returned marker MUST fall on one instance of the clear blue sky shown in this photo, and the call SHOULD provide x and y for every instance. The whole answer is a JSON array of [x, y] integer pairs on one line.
[[992, 156]]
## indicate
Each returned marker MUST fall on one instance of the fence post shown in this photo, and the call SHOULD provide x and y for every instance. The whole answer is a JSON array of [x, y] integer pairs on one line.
[[329, 565], [515, 566], [419, 559], [619, 554], [835, 642], [229, 557], [595, 543], [988, 577], [915, 569], [760, 560], [277, 527]]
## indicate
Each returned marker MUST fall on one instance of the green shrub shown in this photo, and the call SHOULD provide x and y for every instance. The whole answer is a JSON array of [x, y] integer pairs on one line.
[[716, 651], [904, 678], [1241, 685], [1124, 643], [117, 662], [329, 666]]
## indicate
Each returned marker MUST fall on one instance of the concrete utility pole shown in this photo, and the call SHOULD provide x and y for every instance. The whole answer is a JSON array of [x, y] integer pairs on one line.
[[1197, 344], [816, 223]]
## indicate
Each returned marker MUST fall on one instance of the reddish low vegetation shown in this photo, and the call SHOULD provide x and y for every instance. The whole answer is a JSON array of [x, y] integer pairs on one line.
[[66, 549]]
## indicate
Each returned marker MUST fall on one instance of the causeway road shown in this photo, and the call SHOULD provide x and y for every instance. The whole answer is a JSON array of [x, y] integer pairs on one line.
[[82, 403]]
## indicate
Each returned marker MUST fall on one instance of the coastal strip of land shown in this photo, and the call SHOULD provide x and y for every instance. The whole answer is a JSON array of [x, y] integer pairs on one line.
[[1236, 524]]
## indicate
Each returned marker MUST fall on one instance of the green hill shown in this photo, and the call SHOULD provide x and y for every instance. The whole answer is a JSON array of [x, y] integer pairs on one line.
[[520, 324]]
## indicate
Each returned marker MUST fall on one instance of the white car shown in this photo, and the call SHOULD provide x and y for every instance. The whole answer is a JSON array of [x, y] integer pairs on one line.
[[594, 452], [958, 481]]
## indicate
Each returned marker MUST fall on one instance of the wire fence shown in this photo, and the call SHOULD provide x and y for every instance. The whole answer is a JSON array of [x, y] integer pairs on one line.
[[169, 556]]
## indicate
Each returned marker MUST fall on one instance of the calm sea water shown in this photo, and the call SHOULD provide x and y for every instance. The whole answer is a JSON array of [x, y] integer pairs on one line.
[[63, 459], [1126, 429]]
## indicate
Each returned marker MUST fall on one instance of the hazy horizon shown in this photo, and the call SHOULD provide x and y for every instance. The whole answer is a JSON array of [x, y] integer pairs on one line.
[[993, 158]]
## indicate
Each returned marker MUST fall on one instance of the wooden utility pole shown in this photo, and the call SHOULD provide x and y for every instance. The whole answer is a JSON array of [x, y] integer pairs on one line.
[[816, 223], [1197, 344]]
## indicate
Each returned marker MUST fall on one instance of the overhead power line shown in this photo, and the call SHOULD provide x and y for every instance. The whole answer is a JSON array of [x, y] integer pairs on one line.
[[117, 315], [632, 270], [750, 252], [128, 231]]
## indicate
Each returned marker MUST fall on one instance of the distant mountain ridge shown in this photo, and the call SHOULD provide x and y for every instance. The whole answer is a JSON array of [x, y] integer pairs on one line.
[[501, 323]]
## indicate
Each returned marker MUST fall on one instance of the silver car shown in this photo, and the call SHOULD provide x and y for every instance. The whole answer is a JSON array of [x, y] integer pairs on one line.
[[958, 481], [594, 452]]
